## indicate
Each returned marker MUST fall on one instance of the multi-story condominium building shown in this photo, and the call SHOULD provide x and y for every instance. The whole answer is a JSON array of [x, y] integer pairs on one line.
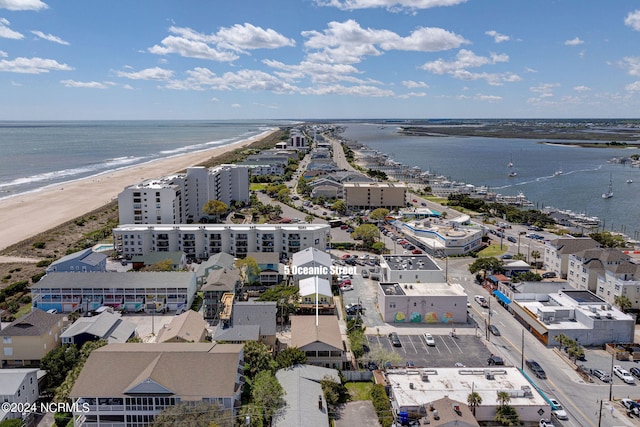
[[180, 198], [297, 140], [620, 280], [557, 251], [201, 241], [130, 384], [367, 195], [28, 339], [584, 267], [133, 292]]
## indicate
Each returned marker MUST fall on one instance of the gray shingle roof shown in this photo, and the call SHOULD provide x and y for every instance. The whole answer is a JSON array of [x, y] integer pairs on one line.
[[32, 324], [111, 279], [106, 325]]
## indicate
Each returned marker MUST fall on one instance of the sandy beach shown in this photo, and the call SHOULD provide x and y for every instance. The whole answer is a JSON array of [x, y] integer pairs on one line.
[[29, 214]]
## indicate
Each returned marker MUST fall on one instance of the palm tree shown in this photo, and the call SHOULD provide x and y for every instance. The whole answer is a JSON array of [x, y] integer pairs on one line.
[[474, 400], [535, 255], [623, 302], [503, 398], [309, 218]]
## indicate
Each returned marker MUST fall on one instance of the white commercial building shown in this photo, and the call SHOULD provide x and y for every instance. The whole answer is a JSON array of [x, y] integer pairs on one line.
[[441, 237], [178, 199], [412, 390], [203, 240]]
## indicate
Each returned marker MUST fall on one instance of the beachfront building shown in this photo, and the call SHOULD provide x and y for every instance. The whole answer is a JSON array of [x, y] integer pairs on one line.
[[84, 260], [414, 390], [106, 326], [440, 237], [371, 195], [180, 198], [130, 384], [19, 386], [578, 314], [557, 252], [203, 240], [129, 291], [27, 340], [297, 140]]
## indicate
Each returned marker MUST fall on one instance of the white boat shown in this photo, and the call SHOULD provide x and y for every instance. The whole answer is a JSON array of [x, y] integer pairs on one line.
[[609, 193], [629, 181], [558, 171], [510, 164], [512, 174]]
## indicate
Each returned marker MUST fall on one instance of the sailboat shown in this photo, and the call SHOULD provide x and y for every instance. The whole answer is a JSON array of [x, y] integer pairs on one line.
[[609, 193], [510, 164], [558, 171]]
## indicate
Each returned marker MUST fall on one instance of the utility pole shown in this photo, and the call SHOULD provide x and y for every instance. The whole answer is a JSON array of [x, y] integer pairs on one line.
[[611, 373], [522, 353]]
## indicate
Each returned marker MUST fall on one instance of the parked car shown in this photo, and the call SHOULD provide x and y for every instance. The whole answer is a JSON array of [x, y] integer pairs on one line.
[[536, 369], [545, 423], [416, 251], [548, 275], [495, 360], [635, 372], [512, 239], [345, 282], [623, 374], [481, 300], [631, 406], [507, 256], [558, 410], [365, 273], [494, 330], [410, 364], [395, 341], [602, 375], [346, 288], [428, 338]]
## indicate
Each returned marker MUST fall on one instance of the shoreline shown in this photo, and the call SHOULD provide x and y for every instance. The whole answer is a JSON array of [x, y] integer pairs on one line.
[[28, 214]]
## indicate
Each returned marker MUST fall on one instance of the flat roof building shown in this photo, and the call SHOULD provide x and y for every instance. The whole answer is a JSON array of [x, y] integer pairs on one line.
[[367, 195]]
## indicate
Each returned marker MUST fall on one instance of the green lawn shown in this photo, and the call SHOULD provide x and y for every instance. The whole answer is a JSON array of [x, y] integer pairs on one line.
[[360, 390], [493, 250], [257, 186]]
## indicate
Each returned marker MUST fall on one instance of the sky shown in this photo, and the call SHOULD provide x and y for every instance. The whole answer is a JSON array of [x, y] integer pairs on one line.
[[318, 59]]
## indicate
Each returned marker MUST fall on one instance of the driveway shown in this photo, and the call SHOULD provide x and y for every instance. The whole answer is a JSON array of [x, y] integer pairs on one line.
[[358, 413]]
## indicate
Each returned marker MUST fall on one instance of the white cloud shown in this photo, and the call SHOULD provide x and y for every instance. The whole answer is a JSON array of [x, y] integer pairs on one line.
[[88, 85], [23, 5], [50, 37], [155, 73], [412, 95], [497, 37], [633, 87], [203, 78], [389, 4], [315, 71], [413, 85], [464, 59], [631, 64], [348, 42], [573, 42], [360, 90], [488, 98], [235, 105], [3, 54], [581, 88], [32, 65], [633, 20], [544, 90], [8, 33], [222, 46], [16, 84]]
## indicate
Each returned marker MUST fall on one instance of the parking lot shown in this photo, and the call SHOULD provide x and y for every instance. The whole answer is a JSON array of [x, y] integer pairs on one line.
[[466, 349]]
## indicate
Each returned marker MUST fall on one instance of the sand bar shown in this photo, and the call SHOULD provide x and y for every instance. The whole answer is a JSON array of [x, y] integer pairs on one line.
[[29, 214]]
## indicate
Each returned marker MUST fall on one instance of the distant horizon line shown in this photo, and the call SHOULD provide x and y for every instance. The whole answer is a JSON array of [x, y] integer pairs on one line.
[[380, 120]]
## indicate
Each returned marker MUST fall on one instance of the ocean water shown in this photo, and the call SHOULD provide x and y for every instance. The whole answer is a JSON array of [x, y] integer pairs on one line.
[[483, 161], [34, 155]]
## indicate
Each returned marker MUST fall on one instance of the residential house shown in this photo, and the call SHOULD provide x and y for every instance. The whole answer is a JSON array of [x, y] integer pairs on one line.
[[28, 339], [311, 262], [217, 261], [320, 338], [85, 261], [557, 251], [187, 327], [248, 321], [105, 326], [130, 384], [129, 291], [315, 294], [585, 266], [301, 383], [271, 272], [512, 268], [18, 386], [218, 283], [177, 260]]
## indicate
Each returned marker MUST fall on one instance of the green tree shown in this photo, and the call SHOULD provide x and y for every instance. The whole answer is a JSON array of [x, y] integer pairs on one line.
[[381, 356], [609, 240], [474, 400], [368, 233], [277, 211], [623, 302], [503, 398], [62, 392], [268, 394], [58, 363], [487, 265], [14, 422], [334, 392], [257, 358], [340, 206], [291, 356], [215, 208], [379, 214], [535, 255], [309, 218], [194, 414], [283, 195], [249, 269], [286, 298]]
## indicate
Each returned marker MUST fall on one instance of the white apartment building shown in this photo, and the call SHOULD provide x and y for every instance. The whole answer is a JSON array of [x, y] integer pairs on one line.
[[179, 199], [557, 251], [202, 240], [584, 267], [297, 140], [619, 280]]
